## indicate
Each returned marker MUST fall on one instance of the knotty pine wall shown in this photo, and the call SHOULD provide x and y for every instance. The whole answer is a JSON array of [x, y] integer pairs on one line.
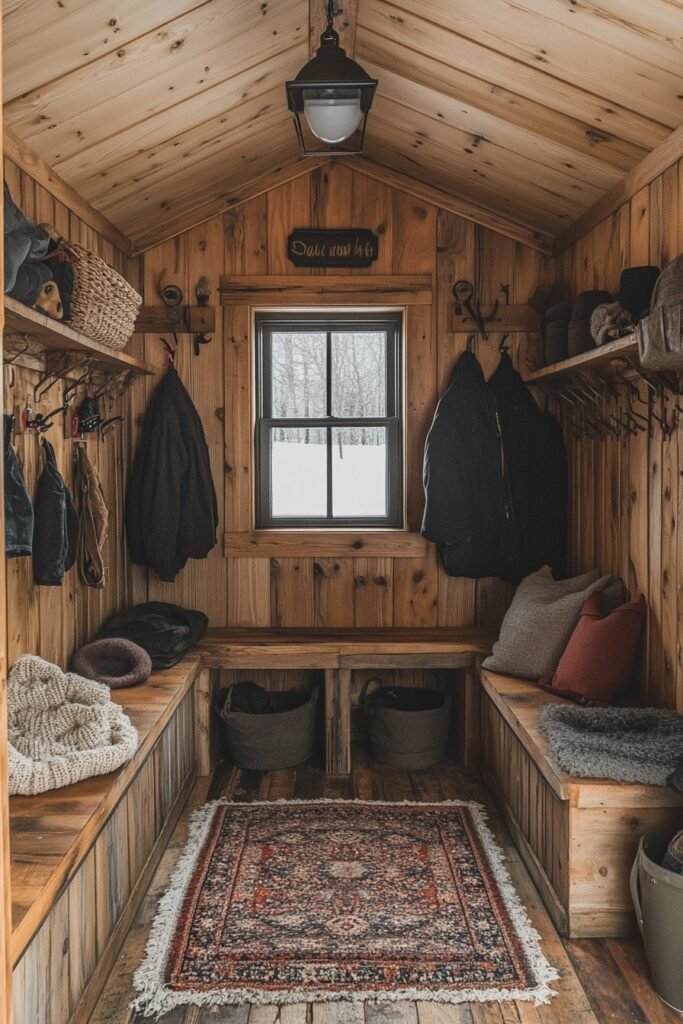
[[628, 494], [52, 621], [414, 238]]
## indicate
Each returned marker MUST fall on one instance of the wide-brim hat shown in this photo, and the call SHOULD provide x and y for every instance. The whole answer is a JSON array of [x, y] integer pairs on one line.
[[114, 662], [635, 289]]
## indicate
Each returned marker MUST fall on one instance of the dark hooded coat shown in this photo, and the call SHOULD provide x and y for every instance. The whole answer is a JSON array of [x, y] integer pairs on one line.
[[171, 508]]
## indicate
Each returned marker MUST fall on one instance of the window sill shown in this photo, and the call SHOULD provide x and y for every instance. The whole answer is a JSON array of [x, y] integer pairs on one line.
[[325, 544]]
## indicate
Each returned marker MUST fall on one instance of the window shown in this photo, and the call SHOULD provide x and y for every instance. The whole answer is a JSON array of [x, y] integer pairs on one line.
[[328, 429]]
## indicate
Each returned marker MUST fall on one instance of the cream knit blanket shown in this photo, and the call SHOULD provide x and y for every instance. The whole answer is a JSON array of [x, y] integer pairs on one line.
[[62, 728]]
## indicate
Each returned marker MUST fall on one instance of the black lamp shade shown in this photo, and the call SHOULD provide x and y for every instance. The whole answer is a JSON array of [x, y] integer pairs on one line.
[[333, 93]]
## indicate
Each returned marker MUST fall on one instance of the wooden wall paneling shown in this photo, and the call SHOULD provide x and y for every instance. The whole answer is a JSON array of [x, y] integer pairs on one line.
[[288, 207], [373, 581], [248, 591], [372, 205], [333, 589], [291, 591]]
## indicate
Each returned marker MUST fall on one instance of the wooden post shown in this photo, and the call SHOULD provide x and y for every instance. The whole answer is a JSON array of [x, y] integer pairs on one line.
[[338, 721], [202, 709], [468, 725]]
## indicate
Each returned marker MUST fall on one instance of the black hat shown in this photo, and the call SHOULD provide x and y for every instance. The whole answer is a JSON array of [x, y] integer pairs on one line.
[[635, 289], [112, 661], [580, 337], [560, 311], [556, 342], [585, 303], [166, 631]]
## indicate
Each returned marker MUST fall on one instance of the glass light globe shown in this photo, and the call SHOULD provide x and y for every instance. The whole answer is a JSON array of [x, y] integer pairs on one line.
[[333, 118]]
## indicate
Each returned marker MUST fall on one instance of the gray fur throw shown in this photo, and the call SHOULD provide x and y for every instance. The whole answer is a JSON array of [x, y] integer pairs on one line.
[[625, 744]]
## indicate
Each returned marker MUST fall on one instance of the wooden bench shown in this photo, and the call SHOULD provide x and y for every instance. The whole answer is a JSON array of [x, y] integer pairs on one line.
[[82, 857], [338, 653], [577, 837]]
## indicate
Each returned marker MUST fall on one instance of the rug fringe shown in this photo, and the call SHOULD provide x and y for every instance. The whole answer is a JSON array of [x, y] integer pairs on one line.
[[155, 998]]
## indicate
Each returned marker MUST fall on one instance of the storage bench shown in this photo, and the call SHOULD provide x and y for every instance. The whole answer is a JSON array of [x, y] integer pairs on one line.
[[83, 856], [577, 837], [338, 653]]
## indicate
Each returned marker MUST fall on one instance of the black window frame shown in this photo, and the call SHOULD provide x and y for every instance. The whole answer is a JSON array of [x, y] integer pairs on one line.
[[267, 323]]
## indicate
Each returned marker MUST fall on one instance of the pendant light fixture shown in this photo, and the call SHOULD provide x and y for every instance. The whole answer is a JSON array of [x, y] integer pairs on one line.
[[330, 98]]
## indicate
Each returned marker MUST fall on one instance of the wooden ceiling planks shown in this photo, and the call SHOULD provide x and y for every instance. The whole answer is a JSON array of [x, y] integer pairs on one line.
[[533, 110]]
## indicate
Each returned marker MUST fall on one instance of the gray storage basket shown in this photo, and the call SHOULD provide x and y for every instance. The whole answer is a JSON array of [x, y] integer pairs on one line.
[[265, 742], [408, 739]]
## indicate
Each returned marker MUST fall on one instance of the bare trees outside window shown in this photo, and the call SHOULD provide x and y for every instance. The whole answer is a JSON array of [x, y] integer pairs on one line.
[[329, 420]]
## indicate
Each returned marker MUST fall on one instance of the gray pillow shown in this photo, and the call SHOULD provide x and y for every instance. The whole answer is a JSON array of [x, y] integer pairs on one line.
[[541, 619]]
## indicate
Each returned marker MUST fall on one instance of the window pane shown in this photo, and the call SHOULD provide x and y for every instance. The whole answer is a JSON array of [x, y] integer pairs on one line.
[[359, 471], [298, 471], [299, 374], [359, 373]]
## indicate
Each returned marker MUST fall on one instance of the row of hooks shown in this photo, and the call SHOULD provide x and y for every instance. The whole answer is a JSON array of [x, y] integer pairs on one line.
[[599, 408]]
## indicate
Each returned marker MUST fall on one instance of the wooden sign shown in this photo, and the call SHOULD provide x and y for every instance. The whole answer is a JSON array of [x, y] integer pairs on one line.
[[332, 247]]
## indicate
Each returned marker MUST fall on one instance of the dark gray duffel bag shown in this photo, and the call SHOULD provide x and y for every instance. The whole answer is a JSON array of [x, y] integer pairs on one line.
[[280, 737], [408, 726]]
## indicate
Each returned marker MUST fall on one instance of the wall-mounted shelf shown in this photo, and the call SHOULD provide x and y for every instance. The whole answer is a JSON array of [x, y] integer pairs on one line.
[[594, 359], [29, 325]]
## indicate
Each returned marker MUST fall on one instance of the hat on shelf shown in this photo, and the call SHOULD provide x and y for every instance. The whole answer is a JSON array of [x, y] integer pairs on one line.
[[609, 322], [635, 289], [112, 661], [556, 342], [580, 337]]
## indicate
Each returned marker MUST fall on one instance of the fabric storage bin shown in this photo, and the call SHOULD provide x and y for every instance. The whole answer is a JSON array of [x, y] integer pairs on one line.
[[408, 726], [658, 901], [281, 738], [103, 305]]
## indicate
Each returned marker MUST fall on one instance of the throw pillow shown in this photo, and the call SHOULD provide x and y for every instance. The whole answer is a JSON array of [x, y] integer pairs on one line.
[[540, 620], [597, 665]]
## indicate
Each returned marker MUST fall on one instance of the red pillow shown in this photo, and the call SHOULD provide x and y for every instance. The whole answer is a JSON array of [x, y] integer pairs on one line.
[[597, 664]]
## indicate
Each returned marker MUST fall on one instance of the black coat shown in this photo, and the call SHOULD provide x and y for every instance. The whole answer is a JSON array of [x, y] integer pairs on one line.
[[495, 477], [467, 496], [537, 467], [171, 508]]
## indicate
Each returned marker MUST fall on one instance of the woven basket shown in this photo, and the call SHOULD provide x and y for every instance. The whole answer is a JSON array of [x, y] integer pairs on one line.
[[103, 305]]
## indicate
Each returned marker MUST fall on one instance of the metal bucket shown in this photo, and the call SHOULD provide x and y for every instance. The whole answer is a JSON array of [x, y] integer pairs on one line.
[[658, 900], [408, 739], [265, 742]]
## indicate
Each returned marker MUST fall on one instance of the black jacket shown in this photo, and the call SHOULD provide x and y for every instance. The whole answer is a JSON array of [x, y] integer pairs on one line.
[[467, 494], [18, 507], [495, 477], [537, 467], [55, 528], [171, 509]]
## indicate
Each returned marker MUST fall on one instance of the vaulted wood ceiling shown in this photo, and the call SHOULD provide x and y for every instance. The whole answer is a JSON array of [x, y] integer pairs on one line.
[[158, 112]]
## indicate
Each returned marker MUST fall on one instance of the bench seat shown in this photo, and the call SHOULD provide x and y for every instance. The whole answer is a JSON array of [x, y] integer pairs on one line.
[[81, 856], [578, 837]]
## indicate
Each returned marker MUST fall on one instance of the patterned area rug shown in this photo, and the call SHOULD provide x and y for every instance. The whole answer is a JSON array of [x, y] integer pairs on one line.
[[304, 901]]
